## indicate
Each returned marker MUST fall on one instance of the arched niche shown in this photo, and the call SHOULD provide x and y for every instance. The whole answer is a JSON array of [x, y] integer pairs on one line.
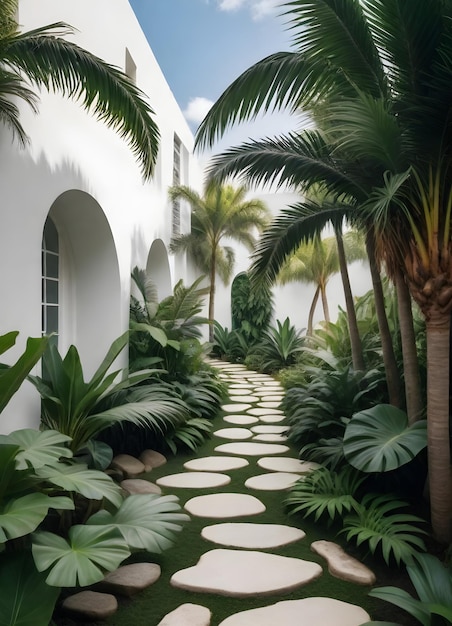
[[157, 267], [91, 300]]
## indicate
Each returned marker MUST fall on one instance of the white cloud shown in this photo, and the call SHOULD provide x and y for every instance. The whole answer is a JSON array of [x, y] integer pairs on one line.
[[197, 108], [258, 8]]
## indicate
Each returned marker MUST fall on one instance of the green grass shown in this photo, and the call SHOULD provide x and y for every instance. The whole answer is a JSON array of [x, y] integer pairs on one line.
[[150, 606]]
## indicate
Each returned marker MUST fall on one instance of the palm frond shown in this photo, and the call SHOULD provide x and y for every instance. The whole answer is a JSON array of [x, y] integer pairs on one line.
[[47, 60]]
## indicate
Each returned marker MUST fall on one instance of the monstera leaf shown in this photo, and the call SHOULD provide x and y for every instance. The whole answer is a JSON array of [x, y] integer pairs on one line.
[[92, 484], [146, 522], [26, 599], [36, 448], [21, 516], [380, 439], [83, 560]]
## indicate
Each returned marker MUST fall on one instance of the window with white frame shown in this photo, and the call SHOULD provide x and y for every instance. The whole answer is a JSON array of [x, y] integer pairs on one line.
[[50, 280]]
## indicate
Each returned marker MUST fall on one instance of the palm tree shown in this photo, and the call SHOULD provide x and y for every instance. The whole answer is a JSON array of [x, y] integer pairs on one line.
[[378, 71], [315, 262], [42, 58], [223, 212]]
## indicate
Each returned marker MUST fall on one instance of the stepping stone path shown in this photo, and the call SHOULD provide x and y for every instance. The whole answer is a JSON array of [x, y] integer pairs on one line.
[[253, 420], [245, 570]]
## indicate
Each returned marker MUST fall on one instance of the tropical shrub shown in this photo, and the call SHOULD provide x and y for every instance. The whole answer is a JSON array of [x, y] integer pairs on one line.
[[380, 523], [433, 584], [278, 347], [82, 409], [318, 413], [229, 345], [323, 492], [47, 529], [251, 309], [166, 333]]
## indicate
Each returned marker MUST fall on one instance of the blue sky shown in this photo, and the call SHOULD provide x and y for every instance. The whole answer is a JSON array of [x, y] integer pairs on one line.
[[203, 45]]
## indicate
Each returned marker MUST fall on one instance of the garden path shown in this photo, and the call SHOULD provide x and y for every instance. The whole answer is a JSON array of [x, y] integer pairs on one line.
[[251, 432]]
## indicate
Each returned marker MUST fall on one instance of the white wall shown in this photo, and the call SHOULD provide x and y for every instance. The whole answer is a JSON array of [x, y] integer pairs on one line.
[[86, 175]]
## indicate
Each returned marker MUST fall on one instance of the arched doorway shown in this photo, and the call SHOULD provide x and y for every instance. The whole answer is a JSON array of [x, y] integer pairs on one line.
[[158, 269]]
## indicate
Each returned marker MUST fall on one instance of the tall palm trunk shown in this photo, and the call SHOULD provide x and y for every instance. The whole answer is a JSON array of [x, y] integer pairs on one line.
[[440, 481], [311, 312], [355, 339], [326, 309], [213, 272], [413, 395], [392, 373]]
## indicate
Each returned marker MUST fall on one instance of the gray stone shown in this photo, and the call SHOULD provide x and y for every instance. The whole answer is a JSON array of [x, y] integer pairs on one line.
[[91, 605], [151, 459], [129, 465], [138, 485], [341, 565], [187, 615], [130, 579]]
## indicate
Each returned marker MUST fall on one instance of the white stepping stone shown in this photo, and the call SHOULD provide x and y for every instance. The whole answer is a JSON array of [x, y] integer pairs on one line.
[[224, 505], [244, 398], [341, 565], [274, 481], [254, 536], [216, 463], [263, 428], [269, 405], [194, 480], [240, 419], [271, 419], [240, 390], [234, 433], [307, 612], [259, 412], [286, 464], [274, 384], [232, 408], [269, 395], [251, 449], [270, 437], [242, 573], [187, 615]]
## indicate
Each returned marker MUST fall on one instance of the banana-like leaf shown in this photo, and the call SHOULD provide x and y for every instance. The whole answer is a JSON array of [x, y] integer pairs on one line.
[[380, 439], [83, 560], [23, 515], [26, 599], [156, 333], [146, 522], [12, 377], [37, 448], [92, 484]]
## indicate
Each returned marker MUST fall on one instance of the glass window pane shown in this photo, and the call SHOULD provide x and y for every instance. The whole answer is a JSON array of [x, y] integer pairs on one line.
[[52, 319], [51, 265], [52, 291], [50, 236]]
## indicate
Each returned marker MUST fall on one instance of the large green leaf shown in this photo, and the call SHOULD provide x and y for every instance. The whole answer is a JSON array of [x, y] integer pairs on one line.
[[146, 521], [25, 598], [83, 560], [23, 515], [380, 439], [37, 448], [92, 484], [12, 377]]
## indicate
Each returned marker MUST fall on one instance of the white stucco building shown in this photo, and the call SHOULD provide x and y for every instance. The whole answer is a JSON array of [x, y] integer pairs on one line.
[[76, 215]]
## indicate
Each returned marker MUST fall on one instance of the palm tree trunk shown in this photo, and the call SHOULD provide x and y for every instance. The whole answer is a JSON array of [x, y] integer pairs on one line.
[[355, 339], [440, 482], [311, 312], [211, 315], [413, 395], [392, 373], [326, 310]]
